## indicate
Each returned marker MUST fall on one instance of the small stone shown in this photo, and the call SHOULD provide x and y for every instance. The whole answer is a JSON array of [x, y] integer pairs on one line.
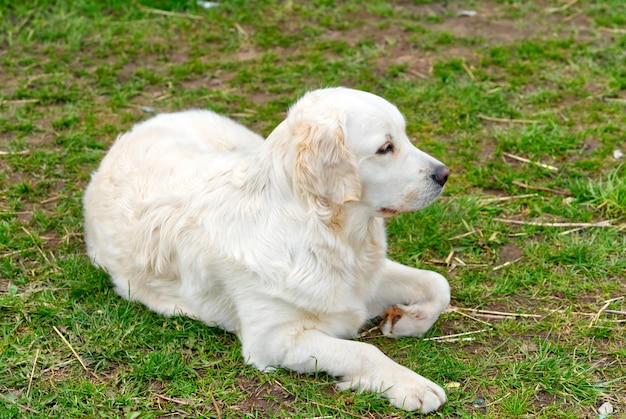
[[467, 13], [605, 410]]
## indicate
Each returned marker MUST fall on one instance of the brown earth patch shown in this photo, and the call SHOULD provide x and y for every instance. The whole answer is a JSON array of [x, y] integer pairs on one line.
[[264, 398], [509, 253], [489, 26]]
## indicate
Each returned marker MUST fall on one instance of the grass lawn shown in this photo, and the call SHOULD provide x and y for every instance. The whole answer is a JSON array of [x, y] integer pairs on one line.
[[525, 101]]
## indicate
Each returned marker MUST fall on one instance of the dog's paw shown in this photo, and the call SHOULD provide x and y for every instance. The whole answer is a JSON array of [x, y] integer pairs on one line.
[[417, 393], [408, 320], [405, 390]]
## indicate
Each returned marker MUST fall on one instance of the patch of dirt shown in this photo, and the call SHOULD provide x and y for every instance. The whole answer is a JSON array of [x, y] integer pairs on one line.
[[217, 80], [591, 144], [509, 253], [544, 399], [487, 148], [265, 398], [489, 26]]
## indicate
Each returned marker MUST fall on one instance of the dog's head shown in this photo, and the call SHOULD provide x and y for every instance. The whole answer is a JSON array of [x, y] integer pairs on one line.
[[351, 146]]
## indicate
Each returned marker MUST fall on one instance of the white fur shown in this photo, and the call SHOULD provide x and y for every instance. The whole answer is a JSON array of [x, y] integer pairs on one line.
[[280, 241]]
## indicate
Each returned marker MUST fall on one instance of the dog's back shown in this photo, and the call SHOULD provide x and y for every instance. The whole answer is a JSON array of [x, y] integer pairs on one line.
[[156, 161]]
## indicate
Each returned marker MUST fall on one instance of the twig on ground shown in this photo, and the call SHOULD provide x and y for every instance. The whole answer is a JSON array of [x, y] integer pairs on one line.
[[573, 230], [507, 198], [75, 353], [498, 400], [168, 13], [242, 31], [468, 70], [604, 223], [52, 199], [505, 264], [525, 160], [174, 399], [573, 16], [469, 233], [513, 121], [497, 313], [13, 153], [18, 101], [32, 373], [562, 8], [540, 188], [623, 313], [456, 335], [472, 317], [470, 339], [612, 30]]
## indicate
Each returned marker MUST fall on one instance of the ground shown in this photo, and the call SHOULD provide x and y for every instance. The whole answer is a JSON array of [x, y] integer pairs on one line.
[[524, 101]]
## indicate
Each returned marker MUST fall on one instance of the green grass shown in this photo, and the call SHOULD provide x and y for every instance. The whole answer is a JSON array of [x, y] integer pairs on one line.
[[545, 81]]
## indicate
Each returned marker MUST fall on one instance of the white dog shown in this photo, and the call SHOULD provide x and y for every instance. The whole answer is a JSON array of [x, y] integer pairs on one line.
[[281, 241]]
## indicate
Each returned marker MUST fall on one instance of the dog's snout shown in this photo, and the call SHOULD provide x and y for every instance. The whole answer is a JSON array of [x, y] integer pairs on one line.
[[440, 175]]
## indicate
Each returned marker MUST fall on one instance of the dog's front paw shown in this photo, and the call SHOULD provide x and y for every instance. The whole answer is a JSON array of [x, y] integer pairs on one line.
[[417, 393], [404, 388], [408, 320]]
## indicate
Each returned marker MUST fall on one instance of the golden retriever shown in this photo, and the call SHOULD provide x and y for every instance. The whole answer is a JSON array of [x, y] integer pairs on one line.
[[280, 241]]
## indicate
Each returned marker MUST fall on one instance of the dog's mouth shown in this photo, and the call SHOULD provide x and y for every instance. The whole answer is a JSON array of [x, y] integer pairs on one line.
[[387, 212]]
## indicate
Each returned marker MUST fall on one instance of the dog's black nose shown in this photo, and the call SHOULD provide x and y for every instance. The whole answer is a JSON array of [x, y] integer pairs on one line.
[[440, 175]]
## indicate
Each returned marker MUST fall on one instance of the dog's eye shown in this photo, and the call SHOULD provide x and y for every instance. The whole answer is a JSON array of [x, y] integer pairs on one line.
[[386, 148]]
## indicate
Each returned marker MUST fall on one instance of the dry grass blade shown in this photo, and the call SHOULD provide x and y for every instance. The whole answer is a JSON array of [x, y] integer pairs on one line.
[[612, 30], [473, 318], [460, 236], [505, 120], [540, 188], [75, 353], [468, 70], [506, 198], [176, 400], [32, 373], [505, 264], [16, 153], [498, 400], [242, 31], [218, 411], [18, 101], [604, 223], [496, 313], [606, 305], [456, 335], [562, 8], [525, 160], [168, 13]]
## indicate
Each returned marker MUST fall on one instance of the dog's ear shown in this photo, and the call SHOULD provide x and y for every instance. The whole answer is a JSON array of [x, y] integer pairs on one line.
[[324, 167]]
